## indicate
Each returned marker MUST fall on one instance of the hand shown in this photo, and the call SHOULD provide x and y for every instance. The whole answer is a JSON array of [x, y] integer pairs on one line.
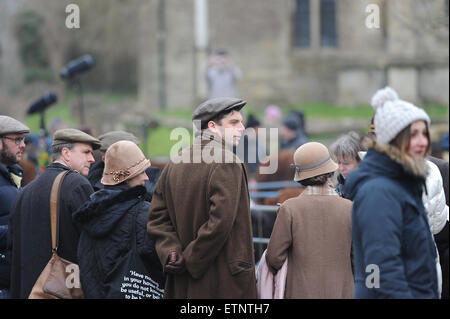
[[175, 264]]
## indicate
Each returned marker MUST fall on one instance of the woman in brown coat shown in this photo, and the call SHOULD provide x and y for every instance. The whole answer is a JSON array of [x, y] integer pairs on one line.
[[313, 231]]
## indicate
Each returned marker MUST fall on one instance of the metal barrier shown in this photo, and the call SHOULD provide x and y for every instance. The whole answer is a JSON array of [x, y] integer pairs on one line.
[[259, 241], [269, 189], [273, 185], [265, 190]]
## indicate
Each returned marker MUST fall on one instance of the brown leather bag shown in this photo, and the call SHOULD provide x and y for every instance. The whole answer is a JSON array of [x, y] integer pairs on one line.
[[60, 278]]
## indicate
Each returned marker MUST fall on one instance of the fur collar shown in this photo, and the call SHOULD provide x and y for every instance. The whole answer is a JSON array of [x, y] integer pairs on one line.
[[413, 166]]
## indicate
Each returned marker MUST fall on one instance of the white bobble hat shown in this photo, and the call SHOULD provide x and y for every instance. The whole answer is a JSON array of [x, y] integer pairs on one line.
[[392, 115]]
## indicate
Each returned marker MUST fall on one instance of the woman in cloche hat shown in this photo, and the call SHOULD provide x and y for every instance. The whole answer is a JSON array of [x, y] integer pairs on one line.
[[111, 219], [313, 231]]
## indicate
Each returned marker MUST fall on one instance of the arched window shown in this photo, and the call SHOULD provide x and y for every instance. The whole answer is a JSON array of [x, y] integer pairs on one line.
[[302, 23], [315, 23], [328, 36]]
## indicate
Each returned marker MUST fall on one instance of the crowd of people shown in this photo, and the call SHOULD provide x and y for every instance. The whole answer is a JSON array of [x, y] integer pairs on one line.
[[136, 231]]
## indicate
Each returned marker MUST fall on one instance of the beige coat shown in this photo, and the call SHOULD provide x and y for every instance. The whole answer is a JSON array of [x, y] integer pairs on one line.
[[314, 232], [203, 211]]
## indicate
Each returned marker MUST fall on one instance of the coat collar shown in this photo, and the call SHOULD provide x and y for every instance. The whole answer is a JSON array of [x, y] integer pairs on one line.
[[7, 172], [209, 140], [324, 189], [106, 207], [416, 167], [206, 137], [58, 165]]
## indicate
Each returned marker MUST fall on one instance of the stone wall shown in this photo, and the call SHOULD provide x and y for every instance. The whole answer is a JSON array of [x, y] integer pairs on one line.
[[409, 52]]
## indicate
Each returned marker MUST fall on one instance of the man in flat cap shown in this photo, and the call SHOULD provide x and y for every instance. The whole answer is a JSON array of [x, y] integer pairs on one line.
[[96, 171], [29, 240], [200, 212], [12, 147]]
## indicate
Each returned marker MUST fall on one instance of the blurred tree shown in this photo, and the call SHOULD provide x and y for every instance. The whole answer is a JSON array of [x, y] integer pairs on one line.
[[32, 49], [107, 31]]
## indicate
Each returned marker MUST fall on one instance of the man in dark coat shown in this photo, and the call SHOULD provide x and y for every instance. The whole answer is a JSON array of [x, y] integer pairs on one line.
[[12, 147], [29, 240], [200, 212]]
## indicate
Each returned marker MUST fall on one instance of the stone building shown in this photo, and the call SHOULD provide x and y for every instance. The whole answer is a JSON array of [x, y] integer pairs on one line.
[[289, 51], [293, 51]]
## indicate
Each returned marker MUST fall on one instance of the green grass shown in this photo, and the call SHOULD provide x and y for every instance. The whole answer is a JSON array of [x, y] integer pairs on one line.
[[113, 97], [437, 112], [178, 113], [160, 144], [327, 111]]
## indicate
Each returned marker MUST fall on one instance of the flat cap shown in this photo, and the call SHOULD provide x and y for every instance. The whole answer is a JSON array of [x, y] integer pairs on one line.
[[9, 125], [112, 137], [71, 135], [209, 109]]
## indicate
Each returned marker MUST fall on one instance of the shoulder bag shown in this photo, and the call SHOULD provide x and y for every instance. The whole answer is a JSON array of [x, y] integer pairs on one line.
[[60, 278]]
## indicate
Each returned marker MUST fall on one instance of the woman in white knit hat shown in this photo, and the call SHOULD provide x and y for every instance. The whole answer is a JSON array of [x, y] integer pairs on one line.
[[393, 248]]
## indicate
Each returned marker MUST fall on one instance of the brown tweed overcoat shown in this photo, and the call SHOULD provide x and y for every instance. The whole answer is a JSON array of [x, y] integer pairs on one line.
[[202, 210]]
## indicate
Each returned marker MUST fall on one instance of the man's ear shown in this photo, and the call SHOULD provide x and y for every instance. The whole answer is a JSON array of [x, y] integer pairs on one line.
[[65, 153], [103, 157], [212, 125]]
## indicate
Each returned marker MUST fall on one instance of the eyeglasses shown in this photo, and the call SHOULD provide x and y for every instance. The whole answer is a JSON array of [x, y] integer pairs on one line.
[[16, 140]]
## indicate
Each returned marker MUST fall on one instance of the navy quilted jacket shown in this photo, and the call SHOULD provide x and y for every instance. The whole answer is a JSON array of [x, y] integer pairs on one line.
[[394, 251]]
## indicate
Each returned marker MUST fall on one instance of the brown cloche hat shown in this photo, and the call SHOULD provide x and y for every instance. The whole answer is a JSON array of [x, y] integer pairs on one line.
[[312, 159], [72, 135], [9, 125], [123, 160], [209, 109]]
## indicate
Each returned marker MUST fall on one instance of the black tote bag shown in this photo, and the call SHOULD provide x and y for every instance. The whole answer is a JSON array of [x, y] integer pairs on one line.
[[131, 278]]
